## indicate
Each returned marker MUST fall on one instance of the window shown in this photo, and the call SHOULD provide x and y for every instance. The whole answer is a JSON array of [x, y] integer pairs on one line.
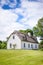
[[13, 37], [35, 46], [24, 44], [32, 46], [10, 45], [28, 45]]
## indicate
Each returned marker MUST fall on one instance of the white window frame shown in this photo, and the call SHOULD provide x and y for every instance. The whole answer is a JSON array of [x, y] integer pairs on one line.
[[28, 45]]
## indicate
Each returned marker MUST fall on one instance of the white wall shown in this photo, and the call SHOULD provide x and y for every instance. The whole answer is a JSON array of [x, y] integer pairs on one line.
[[26, 45], [16, 41], [19, 44]]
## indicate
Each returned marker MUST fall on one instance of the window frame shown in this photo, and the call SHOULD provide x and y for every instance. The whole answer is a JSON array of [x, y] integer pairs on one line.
[[24, 45], [32, 46], [28, 45], [10, 45], [35, 45], [13, 37]]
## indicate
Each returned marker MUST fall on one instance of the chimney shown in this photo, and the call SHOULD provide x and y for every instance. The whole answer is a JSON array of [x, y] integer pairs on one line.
[[29, 34]]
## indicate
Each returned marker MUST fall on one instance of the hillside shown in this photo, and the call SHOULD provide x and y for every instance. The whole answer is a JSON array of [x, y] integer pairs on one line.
[[21, 57]]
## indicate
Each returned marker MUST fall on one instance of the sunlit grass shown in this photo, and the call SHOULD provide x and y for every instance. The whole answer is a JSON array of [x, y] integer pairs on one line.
[[21, 57]]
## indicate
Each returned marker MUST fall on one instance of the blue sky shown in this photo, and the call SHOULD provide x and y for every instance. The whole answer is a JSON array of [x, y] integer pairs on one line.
[[19, 14]]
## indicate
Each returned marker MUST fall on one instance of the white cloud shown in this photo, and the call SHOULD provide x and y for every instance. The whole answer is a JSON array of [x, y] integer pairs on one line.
[[40, 0], [31, 11], [8, 2], [12, 5], [8, 23]]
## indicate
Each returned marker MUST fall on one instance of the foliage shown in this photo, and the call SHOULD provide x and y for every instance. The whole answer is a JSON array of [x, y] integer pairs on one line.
[[0, 44], [0, 41], [40, 23], [41, 42], [26, 31], [38, 30], [35, 31], [41, 45], [3, 44]]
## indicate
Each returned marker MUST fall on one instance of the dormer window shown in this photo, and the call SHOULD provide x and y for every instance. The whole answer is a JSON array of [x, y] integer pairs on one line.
[[13, 37]]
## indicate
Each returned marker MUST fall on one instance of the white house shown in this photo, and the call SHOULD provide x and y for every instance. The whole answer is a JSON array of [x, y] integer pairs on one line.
[[18, 40]]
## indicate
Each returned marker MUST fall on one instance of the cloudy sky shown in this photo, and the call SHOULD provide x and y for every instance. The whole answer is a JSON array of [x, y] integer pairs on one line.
[[18, 14]]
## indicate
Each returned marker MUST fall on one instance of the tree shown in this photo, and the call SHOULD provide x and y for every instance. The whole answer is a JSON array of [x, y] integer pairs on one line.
[[40, 26], [26, 31], [35, 31], [0, 44], [29, 30], [38, 30], [4, 45], [41, 45]]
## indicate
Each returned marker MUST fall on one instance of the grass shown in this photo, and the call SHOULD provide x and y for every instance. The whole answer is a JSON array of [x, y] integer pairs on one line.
[[21, 57]]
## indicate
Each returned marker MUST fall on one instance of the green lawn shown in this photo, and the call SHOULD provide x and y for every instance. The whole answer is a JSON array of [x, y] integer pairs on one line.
[[21, 57]]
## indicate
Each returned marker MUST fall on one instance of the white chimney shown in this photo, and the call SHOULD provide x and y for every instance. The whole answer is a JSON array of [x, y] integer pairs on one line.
[[29, 34]]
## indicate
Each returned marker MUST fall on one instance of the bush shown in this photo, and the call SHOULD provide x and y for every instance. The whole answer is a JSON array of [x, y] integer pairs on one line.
[[3, 44], [0, 44], [41, 45], [41, 49]]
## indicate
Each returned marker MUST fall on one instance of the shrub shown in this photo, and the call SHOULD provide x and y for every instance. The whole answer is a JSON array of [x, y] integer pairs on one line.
[[41, 45]]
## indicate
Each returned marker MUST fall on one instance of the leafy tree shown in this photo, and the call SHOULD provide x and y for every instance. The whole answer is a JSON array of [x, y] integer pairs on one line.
[[0, 41], [40, 23], [35, 31], [26, 31], [3, 44], [40, 26], [29, 30], [0, 44], [38, 30], [22, 31], [41, 44]]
